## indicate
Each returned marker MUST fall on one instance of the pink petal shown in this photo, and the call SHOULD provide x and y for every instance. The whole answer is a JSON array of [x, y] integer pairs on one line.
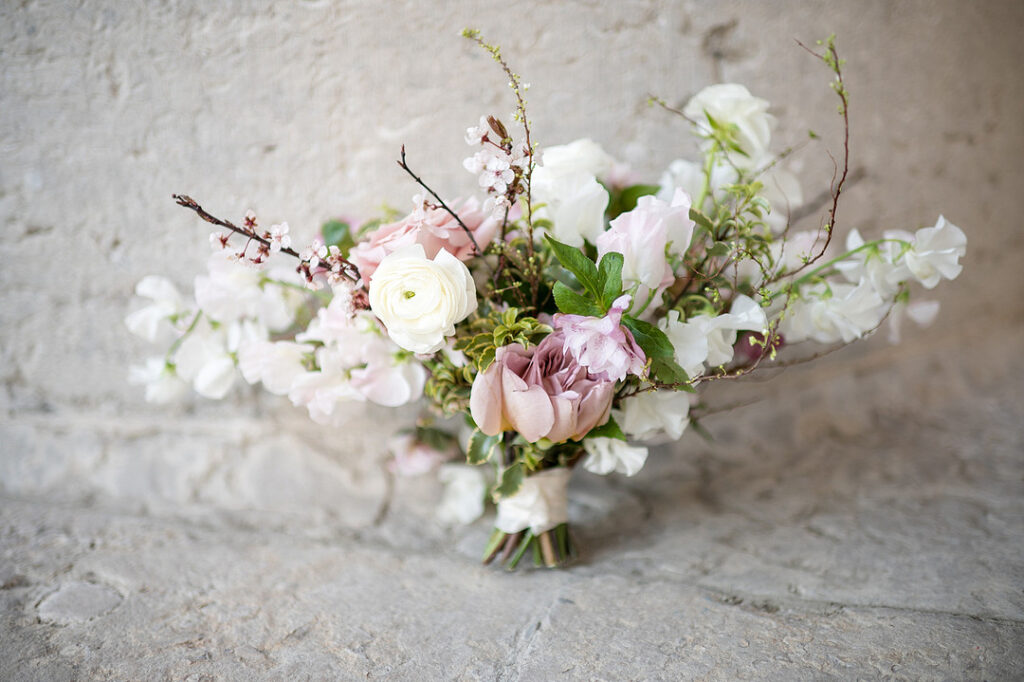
[[527, 408], [485, 400]]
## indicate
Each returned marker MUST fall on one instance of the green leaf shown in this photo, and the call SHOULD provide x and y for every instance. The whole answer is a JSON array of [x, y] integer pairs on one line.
[[481, 447], [607, 430], [338, 233], [632, 194], [718, 250], [510, 481], [609, 272], [572, 303], [650, 338], [701, 219], [435, 438], [659, 350], [669, 372], [625, 200], [576, 262]]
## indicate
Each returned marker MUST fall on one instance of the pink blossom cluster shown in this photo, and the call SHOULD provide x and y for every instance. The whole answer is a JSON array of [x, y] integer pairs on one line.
[[499, 164], [601, 344], [432, 227]]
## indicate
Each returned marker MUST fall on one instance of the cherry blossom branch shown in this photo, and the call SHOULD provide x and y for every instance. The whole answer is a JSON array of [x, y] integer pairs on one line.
[[405, 166], [332, 261], [515, 82], [189, 202]]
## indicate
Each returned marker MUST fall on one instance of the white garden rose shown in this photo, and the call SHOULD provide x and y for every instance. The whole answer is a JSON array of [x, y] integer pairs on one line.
[[421, 300], [573, 201], [732, 104]]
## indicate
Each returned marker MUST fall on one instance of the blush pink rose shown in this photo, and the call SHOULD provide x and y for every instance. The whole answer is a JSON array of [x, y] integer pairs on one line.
[[541, 392], [433, 228]]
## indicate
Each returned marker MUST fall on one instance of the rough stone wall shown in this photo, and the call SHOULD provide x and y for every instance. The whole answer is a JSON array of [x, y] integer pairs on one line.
[[863, 520], [298, 110]]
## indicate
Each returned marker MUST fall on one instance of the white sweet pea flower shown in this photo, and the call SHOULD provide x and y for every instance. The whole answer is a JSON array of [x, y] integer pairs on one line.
[[231, 291], [732, 104], [605, 455], [884, 270], [275, 363], [846, 314], [573, 202], [689, 177], [205, 359], [646, 415], [744, 315], [782, 190], [921, 313], [162, 383], [388, 380], [154, 320], [935, 253], [420, 300], [321, 391], [706, 339], [463, 500]]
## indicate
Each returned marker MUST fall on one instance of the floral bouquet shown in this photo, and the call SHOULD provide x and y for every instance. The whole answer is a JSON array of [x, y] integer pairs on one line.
[[563, 317]]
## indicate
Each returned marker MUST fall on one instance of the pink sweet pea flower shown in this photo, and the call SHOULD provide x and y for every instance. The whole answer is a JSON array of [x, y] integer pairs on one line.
[[434, 228], [540, 392], [601, 344]]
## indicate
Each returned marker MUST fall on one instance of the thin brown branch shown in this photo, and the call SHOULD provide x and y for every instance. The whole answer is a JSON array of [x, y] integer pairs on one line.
[[350, 271], [405, 166], [831, 59]]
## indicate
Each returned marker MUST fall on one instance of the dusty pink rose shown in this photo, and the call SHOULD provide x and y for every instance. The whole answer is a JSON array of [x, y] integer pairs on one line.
[[540, 393], [601, 344], [434, 228]]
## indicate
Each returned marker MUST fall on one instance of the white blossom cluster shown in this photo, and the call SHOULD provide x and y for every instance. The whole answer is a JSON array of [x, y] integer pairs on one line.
[[706, 277], [234, 327]]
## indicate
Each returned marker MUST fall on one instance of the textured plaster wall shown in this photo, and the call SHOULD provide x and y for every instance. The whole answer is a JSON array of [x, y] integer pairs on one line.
[[298, 110]]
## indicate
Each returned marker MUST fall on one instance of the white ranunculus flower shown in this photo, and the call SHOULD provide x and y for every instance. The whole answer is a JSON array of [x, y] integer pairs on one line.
[[421, 300], [580, 156], [732, 104], [464, 492], [605, 455], [648, 414], [574, 202], [935, 253]]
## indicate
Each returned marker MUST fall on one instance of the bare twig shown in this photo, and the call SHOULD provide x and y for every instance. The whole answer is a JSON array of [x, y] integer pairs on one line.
[[831, 59], [405, 166]]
